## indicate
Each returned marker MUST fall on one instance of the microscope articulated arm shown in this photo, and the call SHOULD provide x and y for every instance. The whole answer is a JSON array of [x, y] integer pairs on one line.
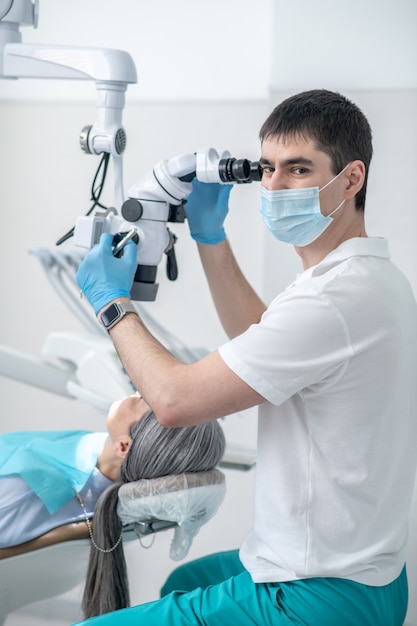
[[112, 70], [50, 61]]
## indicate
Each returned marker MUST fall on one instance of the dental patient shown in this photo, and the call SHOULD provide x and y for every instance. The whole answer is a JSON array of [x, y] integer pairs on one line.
[[52, 478]]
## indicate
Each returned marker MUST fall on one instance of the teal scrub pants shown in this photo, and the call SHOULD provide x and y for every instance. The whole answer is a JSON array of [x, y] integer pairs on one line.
[[218, 591]]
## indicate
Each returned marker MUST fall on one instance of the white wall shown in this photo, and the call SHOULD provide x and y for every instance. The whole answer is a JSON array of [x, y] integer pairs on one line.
[[365, 44], [183, 49], [208, 75]]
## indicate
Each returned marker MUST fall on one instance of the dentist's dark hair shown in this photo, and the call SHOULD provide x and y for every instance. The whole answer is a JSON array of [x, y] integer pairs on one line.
[[155, 451], [336, 124]]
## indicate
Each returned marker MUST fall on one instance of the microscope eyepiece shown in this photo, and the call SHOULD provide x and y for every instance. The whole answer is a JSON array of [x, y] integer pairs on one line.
[[239, 170]]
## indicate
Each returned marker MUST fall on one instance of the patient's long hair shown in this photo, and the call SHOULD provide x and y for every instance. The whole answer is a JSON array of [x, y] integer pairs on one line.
[[155, 451]]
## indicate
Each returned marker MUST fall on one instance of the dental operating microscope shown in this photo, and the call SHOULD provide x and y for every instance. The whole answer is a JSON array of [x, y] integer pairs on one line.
[[158, 197]]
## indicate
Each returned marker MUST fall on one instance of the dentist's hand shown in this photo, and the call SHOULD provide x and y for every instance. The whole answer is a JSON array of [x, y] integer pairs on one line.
[[206, 209], [103, 277]]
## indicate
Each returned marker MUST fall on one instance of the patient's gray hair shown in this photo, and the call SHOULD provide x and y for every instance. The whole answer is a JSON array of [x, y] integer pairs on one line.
[[155, 451]]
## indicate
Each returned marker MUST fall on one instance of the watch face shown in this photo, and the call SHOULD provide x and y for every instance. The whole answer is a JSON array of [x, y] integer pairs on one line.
[[109, 315]]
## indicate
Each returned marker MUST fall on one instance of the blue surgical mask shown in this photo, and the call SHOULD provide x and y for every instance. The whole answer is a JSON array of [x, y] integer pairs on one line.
[[293, 215]]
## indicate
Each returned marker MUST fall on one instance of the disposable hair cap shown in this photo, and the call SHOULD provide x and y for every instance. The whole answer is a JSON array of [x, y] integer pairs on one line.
[[190, 500]]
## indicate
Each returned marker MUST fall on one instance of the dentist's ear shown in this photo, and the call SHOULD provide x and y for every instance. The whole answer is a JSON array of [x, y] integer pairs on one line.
[[356, 177], [121, 446]]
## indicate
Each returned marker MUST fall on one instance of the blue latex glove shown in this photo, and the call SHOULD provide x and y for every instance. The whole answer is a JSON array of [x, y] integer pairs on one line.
[[206, 209], [103, 277]]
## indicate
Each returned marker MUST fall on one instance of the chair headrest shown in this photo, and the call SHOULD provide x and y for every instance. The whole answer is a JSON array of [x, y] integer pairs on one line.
[[190, 500]]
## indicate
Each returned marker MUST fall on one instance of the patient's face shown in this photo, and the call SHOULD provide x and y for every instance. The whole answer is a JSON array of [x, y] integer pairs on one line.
[[123, 414]]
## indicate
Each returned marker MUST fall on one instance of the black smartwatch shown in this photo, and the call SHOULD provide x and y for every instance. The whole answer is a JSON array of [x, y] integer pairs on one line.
[[115, 312]]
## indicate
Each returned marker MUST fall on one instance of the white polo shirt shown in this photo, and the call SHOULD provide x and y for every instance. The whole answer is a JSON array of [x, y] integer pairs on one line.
[[335, 356]]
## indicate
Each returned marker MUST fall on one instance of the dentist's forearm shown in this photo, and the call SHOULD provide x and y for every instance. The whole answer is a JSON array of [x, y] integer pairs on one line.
[[237, 304], [179, 394], [149, 365]]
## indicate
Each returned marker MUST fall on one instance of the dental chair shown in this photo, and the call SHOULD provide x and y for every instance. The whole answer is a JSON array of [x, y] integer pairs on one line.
[[56, 562]]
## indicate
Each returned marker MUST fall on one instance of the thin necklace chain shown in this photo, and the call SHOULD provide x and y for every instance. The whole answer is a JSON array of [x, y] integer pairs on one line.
[[90, 528]]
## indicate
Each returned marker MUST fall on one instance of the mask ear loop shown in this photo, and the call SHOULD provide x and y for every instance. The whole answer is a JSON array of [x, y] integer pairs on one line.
[[337, 208], [334, 178], [329, 183]]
